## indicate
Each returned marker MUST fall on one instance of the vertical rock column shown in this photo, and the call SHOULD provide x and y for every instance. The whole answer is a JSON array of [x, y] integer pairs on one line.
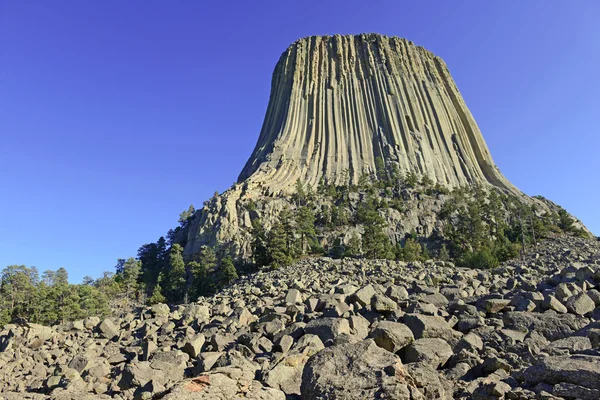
[[339, 102]]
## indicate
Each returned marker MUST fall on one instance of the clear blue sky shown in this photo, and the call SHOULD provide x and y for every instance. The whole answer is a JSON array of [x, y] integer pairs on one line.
[[116, 115]]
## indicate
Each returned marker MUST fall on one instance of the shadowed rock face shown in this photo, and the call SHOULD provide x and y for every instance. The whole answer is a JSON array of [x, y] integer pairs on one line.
[[339, 102]]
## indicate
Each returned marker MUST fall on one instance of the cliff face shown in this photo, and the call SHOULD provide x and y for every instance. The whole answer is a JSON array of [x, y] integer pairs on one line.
[[337, 103]]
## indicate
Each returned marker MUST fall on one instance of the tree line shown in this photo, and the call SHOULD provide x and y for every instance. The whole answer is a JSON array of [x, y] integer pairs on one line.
[[481, 227]]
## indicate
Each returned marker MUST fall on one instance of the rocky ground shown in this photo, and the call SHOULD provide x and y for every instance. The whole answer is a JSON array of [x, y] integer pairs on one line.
[[339, 329]]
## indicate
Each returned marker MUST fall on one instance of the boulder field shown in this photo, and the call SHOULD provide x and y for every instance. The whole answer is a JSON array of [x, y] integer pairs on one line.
[[338, 329]]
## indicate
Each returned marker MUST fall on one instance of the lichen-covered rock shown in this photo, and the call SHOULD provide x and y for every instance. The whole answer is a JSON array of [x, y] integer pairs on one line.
[[579, 370], [354, 371]]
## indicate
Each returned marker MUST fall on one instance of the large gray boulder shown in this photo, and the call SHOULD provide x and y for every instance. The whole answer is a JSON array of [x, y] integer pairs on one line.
[[327, 329], [434, 351], [579, 370], [354, 372], [551, 326], [392, 336], [427, 326]]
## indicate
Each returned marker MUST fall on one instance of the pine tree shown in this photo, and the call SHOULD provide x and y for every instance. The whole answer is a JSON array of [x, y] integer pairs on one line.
[[227, 271], [300, 195], [289, 232], [157, 296], [426, 181], [381, 171], [259, 244], [305, 221], [185, 216], [443, 253], [411, 180], [565, 222], [412, 250], [17, 287], [176, 282], [353, 248], [128, 274], [277, 246]]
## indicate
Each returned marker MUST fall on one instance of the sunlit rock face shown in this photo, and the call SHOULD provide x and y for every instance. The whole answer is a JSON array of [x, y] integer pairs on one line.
[[339, 102], [339, 105]]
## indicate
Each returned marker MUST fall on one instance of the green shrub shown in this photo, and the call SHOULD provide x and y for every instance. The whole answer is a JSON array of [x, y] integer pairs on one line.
[[482, 259]]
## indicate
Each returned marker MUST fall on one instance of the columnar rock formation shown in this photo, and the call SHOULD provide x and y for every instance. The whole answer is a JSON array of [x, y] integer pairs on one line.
[[337, 105], [339, 102]]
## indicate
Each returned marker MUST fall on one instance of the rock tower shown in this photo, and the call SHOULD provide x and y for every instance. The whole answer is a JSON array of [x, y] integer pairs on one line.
[[339, 102], [340, 106]]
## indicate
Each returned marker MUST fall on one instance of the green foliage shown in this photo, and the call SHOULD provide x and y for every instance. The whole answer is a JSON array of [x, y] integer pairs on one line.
[[411, 251], [375, 242], [260, 252], [227, 272], [25, 297], [337, 250], [443, 253], [157, 296], [339, 217], [185, 216], [251, 206], [277, 246], [411, 180], [354, 246], [176, 284], [305, 223], [426, 181], [482, 259], [128, 273], [300, 195], [383, 178]]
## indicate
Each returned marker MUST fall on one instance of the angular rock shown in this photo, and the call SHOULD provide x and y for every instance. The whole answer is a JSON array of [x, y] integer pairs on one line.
[[327, 328], [108, 329], [354, 371], [580, 304], [294, 297], [193, 346], [551, 326], [364, 295], [392, 336], [435, 352], [424, 326], [576, 369]]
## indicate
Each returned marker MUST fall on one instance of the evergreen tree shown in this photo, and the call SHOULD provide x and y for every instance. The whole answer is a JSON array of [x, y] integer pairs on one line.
[[305, 221], [426, 181], [289, 232], [412, 251], [185, 216], [376, 244], [259, 244], [353, 248], [127, 275], [157, 296], [411, 180], [154, 258], [339, 216], [565, 222], [443, 254], [227, 271], [381, 172], [300, 195], [17, 287], [204, 285], [277, 246], [177, 289]]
